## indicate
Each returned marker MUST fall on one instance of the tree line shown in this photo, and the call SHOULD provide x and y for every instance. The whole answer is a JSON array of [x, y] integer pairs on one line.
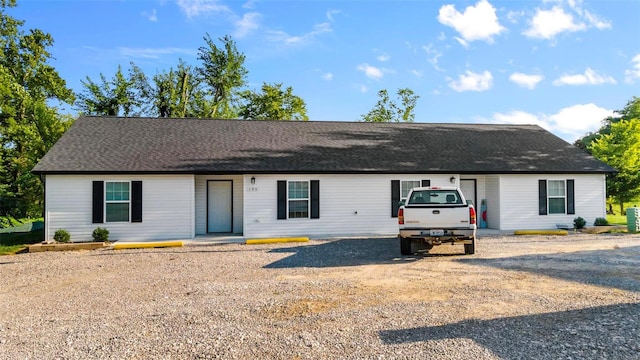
[[215, 88], [32, 92]]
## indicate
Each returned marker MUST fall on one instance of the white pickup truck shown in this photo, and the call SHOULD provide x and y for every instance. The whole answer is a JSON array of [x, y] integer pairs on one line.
[[433, 216]]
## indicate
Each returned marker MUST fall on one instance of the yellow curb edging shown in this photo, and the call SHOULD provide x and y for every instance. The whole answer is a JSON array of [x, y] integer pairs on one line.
[[155, 244], [276, 240], [541, 232]]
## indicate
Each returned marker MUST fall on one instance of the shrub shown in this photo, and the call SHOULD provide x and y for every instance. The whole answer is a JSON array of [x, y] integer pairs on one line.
[[579, 223], [62, 236], [601, 222], [100, 235]]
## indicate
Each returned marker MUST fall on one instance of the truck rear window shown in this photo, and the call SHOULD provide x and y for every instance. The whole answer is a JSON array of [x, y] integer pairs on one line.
[[434, 197]]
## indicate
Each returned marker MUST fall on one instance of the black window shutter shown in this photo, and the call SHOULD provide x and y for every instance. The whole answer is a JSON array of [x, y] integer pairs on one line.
[[315, 199], [136, 201], [426, 183], [542, 197], [571, 201], [98, 202], [282, 199], [395, 197]]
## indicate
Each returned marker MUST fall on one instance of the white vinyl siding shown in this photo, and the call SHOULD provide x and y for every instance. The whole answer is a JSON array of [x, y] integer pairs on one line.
[[174, 206], [237, 198], [519, 194], [349, 205], [493, 196], [167, 207]]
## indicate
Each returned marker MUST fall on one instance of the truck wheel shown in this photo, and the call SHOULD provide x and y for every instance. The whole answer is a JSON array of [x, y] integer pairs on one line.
[[470, 249], [405, 246]]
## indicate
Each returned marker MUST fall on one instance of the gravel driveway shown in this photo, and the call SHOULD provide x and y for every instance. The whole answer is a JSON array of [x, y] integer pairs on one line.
[[576, 296]]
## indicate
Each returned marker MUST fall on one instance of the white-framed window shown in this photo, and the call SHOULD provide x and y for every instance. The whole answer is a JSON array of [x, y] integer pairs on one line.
[[405, 186], [117, 201], [556, 196], [298, 199]]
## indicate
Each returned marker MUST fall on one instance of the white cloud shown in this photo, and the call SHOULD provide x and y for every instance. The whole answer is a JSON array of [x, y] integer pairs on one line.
[[364, 88], [249, 23], [590, 77], [281, 36], [471, 81], [589, 116], [547, 23], [371, 72], [383, 57], [478, 22], [518, 117], [596, 22], [330, 14], [151, 15], [327, 76], [433, 56], [417, 73], [563, 123], [151, 53], [528, 81], [591, 19], [193, 8], [631, 75]]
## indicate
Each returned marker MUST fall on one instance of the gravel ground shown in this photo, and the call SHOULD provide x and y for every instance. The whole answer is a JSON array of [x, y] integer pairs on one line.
[[576, 296]]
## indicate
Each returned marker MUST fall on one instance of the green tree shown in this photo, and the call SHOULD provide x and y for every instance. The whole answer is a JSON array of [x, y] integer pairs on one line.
[[630, 111], [222, 71], [118, 96], [173, 93], [387, 110], [29, 125], [620, 148], [273, 103]]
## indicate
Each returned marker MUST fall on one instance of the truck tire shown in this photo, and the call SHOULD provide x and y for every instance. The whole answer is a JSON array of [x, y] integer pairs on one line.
[[405, 246], [470, 249]]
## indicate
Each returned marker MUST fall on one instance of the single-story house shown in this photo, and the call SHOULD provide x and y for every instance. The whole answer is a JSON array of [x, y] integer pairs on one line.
[[159, 178]]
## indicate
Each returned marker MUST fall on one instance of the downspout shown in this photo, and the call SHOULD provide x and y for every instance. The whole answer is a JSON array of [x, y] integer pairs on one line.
[[45, 213]]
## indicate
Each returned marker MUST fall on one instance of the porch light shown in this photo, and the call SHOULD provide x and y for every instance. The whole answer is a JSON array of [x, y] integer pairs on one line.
[[452, 180], [253, 180]]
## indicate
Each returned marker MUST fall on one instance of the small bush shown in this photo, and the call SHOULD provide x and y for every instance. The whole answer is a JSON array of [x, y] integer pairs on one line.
[[62, 236], [579, 223], [100, 235], [601, 222]]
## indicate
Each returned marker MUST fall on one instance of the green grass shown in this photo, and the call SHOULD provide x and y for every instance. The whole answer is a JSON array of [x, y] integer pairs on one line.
[[21, 238], [11, 249], [621, 219], [617, 219]]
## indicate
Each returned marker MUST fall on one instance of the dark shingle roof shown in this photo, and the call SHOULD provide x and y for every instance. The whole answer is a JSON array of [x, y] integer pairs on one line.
[[152, 145]]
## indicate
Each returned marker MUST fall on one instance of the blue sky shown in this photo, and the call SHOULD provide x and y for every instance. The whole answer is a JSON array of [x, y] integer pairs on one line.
[[562, 64]]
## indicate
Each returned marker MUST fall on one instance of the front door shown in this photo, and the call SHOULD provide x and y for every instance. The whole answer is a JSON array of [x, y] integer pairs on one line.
[[219, 206]]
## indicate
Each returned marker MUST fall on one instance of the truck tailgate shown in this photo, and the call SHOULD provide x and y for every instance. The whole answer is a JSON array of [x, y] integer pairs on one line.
[[436, 217]]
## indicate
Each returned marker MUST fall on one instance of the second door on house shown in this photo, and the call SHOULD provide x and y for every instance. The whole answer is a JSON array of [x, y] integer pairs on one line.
[[219, 206]]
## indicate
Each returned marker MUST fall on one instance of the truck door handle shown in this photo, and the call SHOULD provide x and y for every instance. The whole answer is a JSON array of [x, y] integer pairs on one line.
[[436, 212]]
